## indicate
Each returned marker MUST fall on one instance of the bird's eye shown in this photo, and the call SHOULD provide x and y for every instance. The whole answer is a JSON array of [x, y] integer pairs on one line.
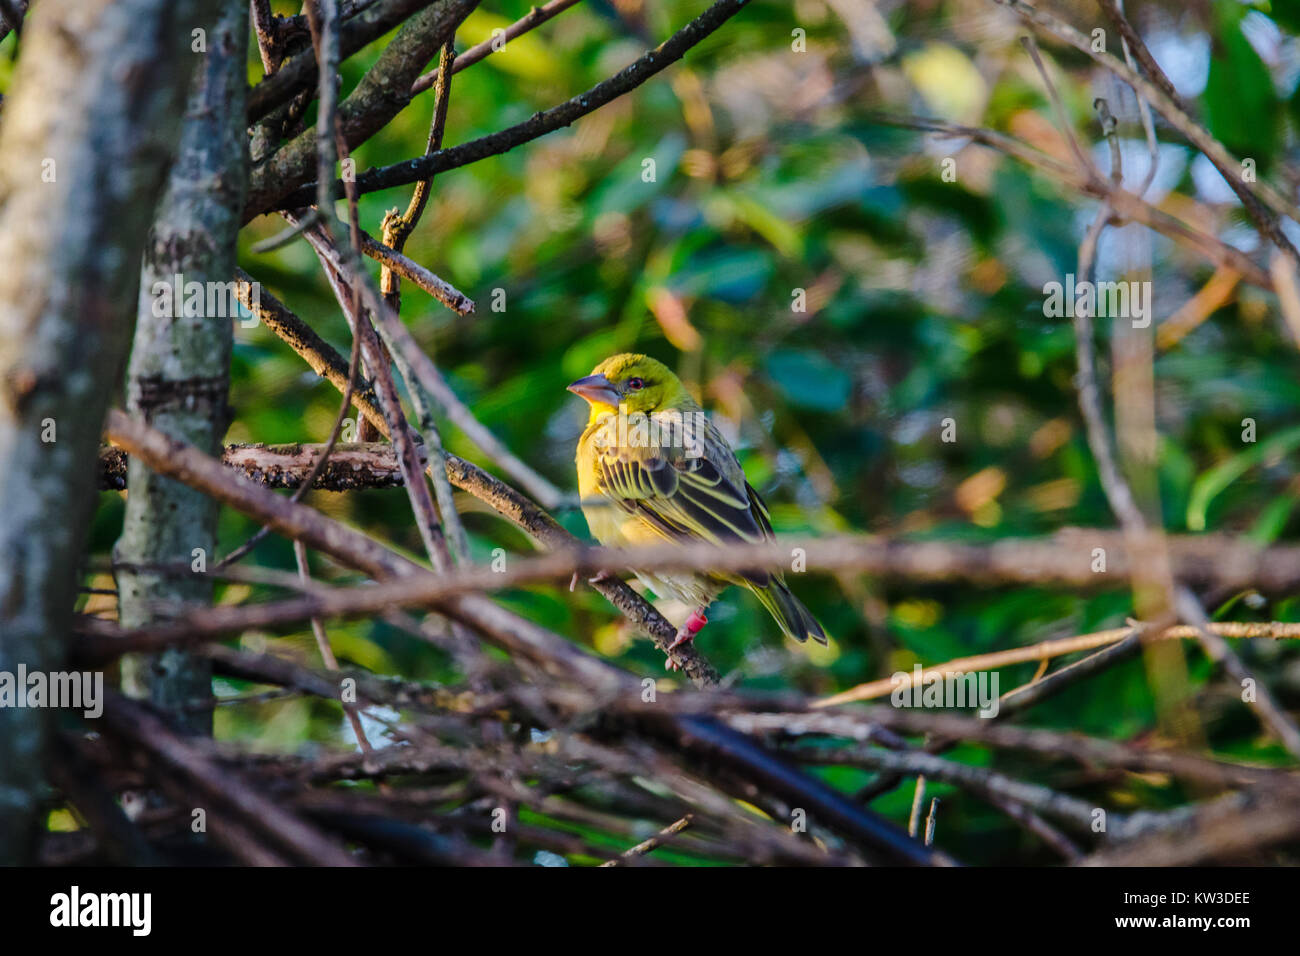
[[635, 384]]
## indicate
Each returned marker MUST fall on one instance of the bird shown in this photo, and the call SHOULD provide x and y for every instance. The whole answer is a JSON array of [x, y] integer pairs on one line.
[[653, 468]]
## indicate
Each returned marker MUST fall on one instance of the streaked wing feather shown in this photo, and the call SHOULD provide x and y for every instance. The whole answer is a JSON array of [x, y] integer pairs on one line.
[[687, 498]]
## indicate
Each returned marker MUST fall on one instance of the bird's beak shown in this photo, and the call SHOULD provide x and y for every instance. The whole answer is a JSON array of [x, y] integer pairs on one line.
[[596, 389]]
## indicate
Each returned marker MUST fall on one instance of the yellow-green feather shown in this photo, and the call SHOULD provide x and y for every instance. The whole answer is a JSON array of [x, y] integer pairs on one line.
[[640, 494]]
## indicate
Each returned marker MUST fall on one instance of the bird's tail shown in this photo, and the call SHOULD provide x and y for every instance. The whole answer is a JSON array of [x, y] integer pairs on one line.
[[795, 619]]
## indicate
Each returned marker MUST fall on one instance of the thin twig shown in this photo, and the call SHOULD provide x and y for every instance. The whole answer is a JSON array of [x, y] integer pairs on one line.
[[431, 379], [533, 18], [1160, 95], [298, 73], [656, 841], [649, 64], [408, 457], [1252, 688], [1062, 117], [268, 35], [397, 227], [327, 652], [1125, 204], [868, 725], [149, 735], [918, 801], [930, 821], [1222, 161], [558, 566]]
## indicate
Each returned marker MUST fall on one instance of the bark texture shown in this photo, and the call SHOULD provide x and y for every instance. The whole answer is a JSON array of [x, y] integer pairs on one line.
[[179, 374], [381, 95], [88, 131]]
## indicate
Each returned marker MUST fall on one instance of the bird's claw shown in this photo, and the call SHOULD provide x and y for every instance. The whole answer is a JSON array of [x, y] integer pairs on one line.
[[598, 578], [685, 634]]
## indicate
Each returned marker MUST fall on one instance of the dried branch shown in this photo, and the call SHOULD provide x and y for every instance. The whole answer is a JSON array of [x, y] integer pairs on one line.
[[560, 565], [439, 288], [347, 290], [1228, 168], [427, 375], [1219, 831], [985, 783], [533, 18], [413, 170], [381, 95], [1125, 204], [1168, 107], [398, 226], [1252, 689], [645, 846], [322, 18], [222, 791], [108, 107], [1064, 559], [348, 547], [299, 72], [1059, 647], [327, 652], [267, 30], [865, 725], [180, 364], [698, 740]]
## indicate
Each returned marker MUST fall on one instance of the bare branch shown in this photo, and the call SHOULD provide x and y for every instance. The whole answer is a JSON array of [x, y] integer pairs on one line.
[[652, 62], [533, 18], [299, 72], [104, 96], [381, 95], [656, 841], [1166, 104]]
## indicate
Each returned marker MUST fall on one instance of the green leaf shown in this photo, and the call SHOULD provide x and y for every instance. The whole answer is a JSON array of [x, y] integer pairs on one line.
[[1213, 482], [1268, 526], [732, 275], [1241, 108], [809, 379]]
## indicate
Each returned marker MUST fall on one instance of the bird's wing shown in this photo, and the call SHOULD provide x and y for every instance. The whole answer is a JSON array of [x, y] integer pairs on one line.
[[686, 498]]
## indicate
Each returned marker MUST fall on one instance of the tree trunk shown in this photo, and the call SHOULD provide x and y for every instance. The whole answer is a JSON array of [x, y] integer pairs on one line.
[[88, 131], [180, 365]]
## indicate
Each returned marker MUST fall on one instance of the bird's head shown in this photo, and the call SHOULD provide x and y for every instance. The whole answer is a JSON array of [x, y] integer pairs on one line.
[[636, 382]]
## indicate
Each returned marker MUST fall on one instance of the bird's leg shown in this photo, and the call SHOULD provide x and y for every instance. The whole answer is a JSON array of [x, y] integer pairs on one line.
[[694, 624], [598, 578], [685, 634]]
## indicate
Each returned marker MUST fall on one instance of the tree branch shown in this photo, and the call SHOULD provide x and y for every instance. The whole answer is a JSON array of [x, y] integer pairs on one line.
[[96, 101], [413, 170]]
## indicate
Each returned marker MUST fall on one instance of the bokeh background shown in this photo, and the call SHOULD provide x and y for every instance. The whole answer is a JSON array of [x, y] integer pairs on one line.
[[924, 302]]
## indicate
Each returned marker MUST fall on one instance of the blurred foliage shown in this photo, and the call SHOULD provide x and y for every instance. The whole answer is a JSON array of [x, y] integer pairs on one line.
[[923, 302]]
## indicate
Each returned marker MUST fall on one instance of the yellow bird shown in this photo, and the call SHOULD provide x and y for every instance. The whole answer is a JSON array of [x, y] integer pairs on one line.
[[651, 467]]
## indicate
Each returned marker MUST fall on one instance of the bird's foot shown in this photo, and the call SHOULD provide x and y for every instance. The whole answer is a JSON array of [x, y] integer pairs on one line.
[[598, 578], [685, 634]]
